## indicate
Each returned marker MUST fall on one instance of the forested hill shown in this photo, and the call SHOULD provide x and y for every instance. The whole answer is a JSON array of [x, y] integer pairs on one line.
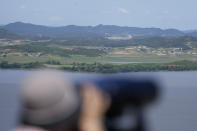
[[8, 35], [101, 35], [193, 33], [26, 29], [185, 42]]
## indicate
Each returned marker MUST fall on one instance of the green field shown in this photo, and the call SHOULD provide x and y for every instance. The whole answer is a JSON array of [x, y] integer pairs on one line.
[[100, 59], [83, 58]]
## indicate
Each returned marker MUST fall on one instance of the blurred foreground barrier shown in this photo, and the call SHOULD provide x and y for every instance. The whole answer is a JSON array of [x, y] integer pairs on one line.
[[51, 101]]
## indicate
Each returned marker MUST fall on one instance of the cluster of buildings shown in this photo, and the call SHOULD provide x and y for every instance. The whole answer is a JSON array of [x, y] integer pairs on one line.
[[163, 51]]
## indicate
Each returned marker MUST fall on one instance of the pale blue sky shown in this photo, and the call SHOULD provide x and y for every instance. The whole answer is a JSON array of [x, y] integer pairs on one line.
[[181, 14]]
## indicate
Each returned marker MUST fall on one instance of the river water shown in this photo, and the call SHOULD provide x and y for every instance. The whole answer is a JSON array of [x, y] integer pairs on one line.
[[176, 109]]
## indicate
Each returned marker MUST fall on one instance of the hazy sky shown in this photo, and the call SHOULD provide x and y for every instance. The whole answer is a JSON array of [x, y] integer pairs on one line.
[[181, 14]]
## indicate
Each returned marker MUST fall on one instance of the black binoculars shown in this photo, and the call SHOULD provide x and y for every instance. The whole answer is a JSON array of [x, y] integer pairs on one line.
[[129, 95]]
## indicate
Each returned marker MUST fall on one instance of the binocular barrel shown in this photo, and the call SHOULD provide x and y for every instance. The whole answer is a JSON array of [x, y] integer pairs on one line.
[[127, 89]]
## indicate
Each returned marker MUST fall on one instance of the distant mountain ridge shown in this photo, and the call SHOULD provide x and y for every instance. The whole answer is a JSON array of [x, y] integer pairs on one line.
[[194, 33], [26, 29]]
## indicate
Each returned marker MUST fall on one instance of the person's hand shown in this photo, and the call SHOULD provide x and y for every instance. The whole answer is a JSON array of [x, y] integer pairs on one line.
[[95, 104]]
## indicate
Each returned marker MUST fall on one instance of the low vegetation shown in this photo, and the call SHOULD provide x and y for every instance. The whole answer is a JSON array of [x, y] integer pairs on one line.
[[107, 68]]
